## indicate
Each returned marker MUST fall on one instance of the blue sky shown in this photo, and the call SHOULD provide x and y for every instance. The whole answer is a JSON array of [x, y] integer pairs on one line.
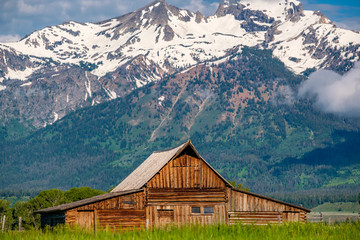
[[21, 17]]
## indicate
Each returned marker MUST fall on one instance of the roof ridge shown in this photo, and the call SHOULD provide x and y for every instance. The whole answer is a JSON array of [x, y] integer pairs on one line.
[[166, 150]]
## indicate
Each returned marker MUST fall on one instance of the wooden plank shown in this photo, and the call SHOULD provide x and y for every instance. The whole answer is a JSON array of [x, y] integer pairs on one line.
[[119, 219], [85, 219], [186, 172]]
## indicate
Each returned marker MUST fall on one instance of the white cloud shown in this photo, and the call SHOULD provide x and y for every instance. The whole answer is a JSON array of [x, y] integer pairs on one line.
[[88, 4], [9, 38], [29, 8], [284, 95], [334, 93], [205, 8], [349, 23]]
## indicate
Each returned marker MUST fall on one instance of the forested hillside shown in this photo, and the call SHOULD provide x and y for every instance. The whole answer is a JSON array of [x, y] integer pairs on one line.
[[242, 115]]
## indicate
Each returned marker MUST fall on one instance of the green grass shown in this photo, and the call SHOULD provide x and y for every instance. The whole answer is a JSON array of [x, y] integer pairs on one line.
[[338, 207], [346, 175], [249, 232]]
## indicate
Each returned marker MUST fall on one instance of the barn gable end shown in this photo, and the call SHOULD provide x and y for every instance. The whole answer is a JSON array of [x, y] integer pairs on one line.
[[186, 170], [172, 169]]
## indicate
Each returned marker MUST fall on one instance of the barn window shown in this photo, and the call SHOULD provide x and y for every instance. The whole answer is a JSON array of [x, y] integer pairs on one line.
[[208, 210], [195, 210]]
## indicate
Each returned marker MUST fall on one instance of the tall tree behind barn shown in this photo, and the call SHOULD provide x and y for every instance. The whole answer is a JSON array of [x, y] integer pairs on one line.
[[175, 186]]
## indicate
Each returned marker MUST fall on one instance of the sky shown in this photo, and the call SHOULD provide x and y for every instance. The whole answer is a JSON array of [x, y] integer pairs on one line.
[[21, 17]]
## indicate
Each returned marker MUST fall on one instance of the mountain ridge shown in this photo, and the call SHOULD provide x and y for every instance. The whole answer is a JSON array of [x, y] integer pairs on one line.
[[163, 39]]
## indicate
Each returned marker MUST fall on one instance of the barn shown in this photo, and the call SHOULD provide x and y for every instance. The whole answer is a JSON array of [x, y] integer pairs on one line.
[[175, 186]]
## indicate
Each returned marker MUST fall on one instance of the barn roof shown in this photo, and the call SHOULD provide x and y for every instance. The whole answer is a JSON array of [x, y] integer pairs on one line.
[[79, 203], [153, 164]]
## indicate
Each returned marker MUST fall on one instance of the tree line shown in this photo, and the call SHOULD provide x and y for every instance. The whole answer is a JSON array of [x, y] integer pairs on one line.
[[315, 197], [47, 198]]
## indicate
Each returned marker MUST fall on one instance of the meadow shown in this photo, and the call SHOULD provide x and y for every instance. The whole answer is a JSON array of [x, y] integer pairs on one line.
[[225, 232]]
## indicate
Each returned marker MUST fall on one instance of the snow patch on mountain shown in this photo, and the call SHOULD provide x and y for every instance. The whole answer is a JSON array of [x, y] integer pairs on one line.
[[294, 41], [111, 94], [278, 9], [20, 75], [161, 99], [194, 41], [26, 84], [174, 38]]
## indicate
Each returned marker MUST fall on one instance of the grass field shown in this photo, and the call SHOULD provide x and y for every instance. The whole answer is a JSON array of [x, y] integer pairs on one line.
[[225, 232], [338, 207]]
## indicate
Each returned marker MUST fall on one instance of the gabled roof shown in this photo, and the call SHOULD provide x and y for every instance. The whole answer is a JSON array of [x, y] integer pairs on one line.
[[79, 203], [153, 164]]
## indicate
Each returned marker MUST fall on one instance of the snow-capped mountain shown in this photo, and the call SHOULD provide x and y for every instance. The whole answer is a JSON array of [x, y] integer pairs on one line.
[[60, 68]]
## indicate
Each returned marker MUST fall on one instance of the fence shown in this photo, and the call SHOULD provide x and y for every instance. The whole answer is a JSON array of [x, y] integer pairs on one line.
[[332, 217], [315, 218], [3, 221]]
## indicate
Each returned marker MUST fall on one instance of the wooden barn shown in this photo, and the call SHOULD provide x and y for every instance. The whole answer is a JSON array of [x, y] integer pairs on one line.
[[175, 186]]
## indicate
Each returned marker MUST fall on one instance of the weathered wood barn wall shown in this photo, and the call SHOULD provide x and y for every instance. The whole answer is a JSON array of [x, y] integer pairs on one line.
[[173, 187], [114, 210]]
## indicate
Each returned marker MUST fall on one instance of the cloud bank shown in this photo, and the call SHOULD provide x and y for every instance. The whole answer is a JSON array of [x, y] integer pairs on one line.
[[9, 38], [334, 93]]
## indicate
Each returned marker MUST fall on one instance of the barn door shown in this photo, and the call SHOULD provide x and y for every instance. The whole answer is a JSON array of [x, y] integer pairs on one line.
[[85, 219], [166, 216]]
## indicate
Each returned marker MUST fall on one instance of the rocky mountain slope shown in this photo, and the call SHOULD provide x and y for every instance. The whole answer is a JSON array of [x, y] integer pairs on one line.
[[84, 104], [58, 69], [240, 115]]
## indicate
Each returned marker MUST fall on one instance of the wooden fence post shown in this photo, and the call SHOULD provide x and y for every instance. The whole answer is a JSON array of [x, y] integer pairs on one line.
[[3, 223], [20, 224], [321, 217]]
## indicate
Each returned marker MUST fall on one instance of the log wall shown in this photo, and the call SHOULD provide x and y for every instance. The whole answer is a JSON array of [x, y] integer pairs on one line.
[[119, 212], [184, 196], [244, 202], [160, 215], [173, 206], [258, 218]]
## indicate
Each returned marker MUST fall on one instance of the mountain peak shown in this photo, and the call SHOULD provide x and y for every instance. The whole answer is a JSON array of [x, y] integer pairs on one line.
[[279, 10], [276, 2], [157, 2], [110, 58]]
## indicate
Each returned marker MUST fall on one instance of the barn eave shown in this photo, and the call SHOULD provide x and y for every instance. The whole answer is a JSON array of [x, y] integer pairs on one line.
[[68, 206]]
